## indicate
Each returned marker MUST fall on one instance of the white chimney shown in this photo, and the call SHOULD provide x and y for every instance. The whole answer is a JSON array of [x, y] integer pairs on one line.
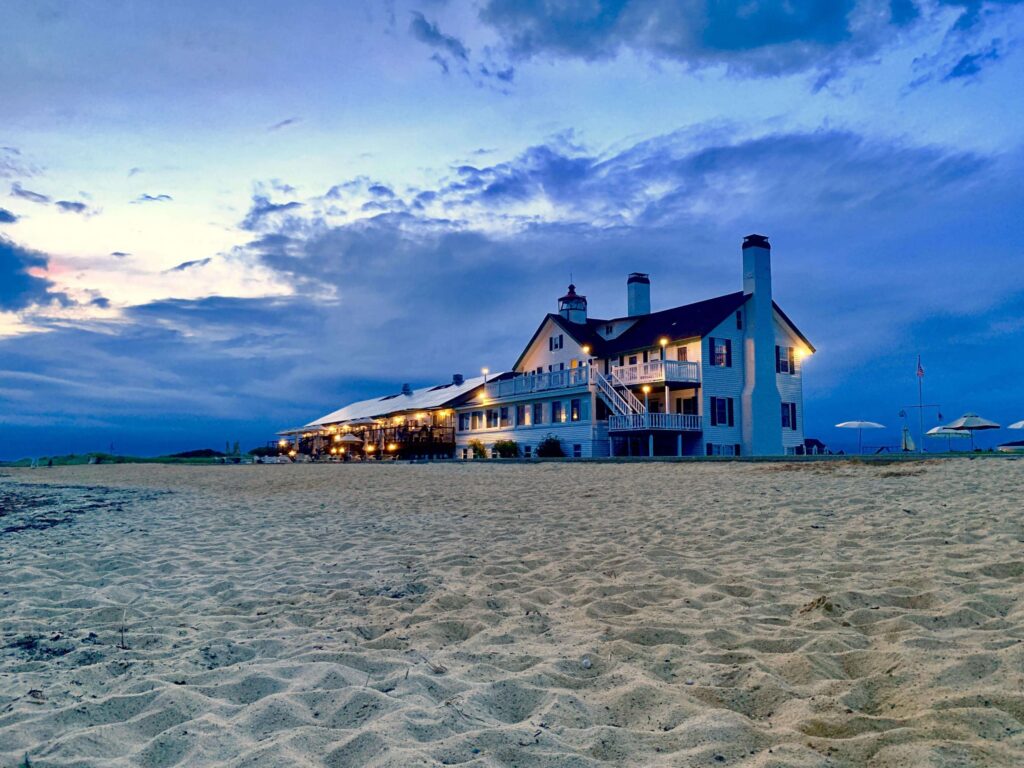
[[762, 404], [638, 294]]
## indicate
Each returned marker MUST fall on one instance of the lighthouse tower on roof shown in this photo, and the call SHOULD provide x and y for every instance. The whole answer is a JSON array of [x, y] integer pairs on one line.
[[572, 306]]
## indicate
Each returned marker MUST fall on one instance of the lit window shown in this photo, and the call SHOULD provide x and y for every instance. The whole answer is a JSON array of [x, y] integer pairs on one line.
[[721, 352], [574, 410], [785, 360]]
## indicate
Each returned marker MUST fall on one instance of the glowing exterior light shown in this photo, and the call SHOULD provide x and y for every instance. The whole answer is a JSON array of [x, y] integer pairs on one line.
[[585, 349], [337, 438], [334, 450], [663, 341], [369, 449], [485, 371], [293, 453], [646, 388], [421, 416], [282, 442]]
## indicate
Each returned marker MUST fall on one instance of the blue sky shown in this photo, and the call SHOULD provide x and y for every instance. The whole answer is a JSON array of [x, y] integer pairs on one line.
[[217, 220]]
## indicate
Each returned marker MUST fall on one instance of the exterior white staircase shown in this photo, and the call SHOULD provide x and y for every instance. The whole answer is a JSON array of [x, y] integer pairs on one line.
[[616, 395]]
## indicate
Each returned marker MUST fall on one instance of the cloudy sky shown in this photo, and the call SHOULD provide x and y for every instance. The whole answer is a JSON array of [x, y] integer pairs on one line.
[[220, 219]]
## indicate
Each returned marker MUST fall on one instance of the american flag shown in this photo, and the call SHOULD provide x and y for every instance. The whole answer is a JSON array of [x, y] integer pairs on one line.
[[920, 370]]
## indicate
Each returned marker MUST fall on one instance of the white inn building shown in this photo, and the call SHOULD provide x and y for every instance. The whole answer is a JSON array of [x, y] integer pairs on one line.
[[721, 377]]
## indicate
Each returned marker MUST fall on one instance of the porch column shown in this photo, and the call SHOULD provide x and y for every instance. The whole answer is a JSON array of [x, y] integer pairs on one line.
[[650, 444], [679, 444]]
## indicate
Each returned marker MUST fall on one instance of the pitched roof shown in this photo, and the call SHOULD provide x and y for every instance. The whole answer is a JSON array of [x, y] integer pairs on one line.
[[685, 322], [439, 396]]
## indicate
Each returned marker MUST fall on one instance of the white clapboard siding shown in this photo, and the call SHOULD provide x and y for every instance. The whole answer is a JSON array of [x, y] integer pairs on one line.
[[539, 355], [571, 433], [722, 382], [791, 386]]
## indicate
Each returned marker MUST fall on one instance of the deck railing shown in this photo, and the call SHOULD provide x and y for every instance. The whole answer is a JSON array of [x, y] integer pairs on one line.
[[644, 421], [527, 383], [684, 371]]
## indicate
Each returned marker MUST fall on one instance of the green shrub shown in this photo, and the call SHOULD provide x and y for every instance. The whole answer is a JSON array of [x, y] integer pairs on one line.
[[550, 448], [478, 448], [506, 449]]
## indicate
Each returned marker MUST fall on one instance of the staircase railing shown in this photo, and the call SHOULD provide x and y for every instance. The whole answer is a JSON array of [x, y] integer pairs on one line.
[[622, 403], [610, 395], [634, 402]]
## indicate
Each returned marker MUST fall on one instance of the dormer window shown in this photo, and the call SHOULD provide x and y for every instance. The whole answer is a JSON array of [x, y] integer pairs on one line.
[[608, 329]]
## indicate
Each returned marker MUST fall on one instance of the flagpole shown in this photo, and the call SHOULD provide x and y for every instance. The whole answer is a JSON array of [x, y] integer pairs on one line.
[[920, 404]]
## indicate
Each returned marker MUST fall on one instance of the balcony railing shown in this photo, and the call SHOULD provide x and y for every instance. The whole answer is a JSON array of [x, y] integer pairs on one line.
[[644, 421], [682, 371], [527, 383]]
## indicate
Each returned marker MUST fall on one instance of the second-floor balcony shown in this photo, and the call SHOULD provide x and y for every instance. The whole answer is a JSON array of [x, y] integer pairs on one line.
[[528, 383], [658, 371]]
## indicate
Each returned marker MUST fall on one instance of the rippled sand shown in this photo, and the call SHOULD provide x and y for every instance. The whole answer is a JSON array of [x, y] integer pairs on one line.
[[515, 615]]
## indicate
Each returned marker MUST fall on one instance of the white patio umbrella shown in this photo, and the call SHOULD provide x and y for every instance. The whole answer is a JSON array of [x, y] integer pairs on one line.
[[349, 439], [947, 433], [1017, 425], [972, 422], [860, 426]]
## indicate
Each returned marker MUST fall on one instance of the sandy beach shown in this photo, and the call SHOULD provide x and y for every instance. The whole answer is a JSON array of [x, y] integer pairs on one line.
[[827, 614]]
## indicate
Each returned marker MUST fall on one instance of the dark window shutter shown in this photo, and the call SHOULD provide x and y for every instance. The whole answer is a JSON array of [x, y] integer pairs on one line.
[[645, 355], [728, 404], [792, 359], [561, 341], [714, 411], [792, 415], [728, 353], [551, 343], [778, 359], [711, 350]]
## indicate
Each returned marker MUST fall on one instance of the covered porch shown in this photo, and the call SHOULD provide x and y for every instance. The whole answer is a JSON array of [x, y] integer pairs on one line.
[[414, 435]]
